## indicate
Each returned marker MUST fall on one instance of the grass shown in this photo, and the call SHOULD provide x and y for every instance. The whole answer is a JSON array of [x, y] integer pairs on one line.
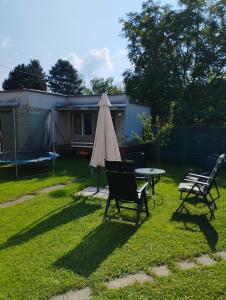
[[12, 188], [56, 242]]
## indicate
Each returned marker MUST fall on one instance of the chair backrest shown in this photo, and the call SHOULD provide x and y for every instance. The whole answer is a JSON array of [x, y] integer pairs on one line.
[[216, 168], [138, 158], [121, 180], [210, 163]]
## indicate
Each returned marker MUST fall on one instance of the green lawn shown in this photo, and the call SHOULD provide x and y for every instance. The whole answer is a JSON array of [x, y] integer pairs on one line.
[[66, 170], [56, 242]]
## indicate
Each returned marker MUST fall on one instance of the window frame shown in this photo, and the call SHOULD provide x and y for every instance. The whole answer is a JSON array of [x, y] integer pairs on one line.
[[82, 124]]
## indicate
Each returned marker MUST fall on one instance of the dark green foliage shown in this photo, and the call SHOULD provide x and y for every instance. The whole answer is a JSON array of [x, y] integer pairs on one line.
[[156, 131], [101, 85], [64, 79], [179, 55], [29, 76]]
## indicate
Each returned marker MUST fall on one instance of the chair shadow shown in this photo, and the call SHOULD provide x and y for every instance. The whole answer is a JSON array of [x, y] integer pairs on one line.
[[73, 211], [95, 248], [204, 224]]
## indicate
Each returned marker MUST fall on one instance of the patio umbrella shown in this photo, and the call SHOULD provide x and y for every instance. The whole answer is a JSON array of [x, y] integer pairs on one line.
[[105, 143]]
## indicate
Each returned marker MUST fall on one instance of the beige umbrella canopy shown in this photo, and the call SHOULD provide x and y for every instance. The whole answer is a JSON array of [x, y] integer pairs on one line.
[[105, 143]]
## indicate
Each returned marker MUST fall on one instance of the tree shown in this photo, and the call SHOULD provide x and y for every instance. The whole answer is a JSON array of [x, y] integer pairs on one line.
[[64, 79], [29, 76], [178, 55], [156, 131], [101, 85]]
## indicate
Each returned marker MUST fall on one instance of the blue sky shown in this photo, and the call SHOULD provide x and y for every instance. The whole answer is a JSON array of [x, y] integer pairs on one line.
[[86, 32]]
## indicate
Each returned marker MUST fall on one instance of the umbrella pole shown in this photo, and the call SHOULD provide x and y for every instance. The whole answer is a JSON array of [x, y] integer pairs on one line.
[[98, 179]]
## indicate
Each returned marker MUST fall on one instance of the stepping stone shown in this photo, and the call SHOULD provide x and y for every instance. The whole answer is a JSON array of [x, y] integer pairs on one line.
[[221, 254], [83, 294], [51, 188], [205, 260], [140, 277], [186, 265], [91, 191], [19, 200], [88, 192], [103, 194], [160, 271]]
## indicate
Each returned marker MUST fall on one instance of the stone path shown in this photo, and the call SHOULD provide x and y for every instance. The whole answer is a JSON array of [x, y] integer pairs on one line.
[[160, 271], [142, 277], [51, 188], [83, 294], [44, 190], [18, 200], [186, 265], [205, 260], [91, 191]]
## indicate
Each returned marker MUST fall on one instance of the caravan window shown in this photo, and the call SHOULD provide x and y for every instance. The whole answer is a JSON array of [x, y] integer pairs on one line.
[[87, 122], [83, 124], [77, 124]]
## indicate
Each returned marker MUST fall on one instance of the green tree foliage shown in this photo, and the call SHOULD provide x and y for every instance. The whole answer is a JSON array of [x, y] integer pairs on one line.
[[179, 55], [64, 79], [156, 131], [29, 76], [101, 85]]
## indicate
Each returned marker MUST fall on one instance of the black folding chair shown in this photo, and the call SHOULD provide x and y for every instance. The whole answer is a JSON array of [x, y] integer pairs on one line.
[[138, 158], [200, 186], [123, 189], [206, 171], [139, 161]]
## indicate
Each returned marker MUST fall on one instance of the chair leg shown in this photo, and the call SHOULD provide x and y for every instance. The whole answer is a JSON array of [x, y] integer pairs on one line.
[[106, 209], [117, 205], [213, 201], [145, 203], [139, 208], [216, 186], [183, 201], [207, 203]]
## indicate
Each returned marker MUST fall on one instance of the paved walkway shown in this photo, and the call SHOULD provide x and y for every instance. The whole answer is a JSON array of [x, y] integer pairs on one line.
[[44, 190], [91, 191], [142, 277]]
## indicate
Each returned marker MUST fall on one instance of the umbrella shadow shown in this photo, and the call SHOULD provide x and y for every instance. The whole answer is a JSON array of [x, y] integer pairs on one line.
[[57, 218], [204, 224], [95, 248]]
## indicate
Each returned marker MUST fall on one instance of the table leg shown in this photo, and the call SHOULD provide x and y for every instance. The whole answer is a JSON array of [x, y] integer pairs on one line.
[[153, 185]]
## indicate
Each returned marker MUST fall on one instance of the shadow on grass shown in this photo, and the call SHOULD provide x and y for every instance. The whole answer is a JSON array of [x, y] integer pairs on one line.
[[58, 194], [204, 224], [96, 247], [71, 212]]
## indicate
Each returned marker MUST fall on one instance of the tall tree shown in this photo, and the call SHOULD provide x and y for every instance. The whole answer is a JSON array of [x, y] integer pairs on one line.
[[178, 55], [64, 79], [101, 85], [29, 76]]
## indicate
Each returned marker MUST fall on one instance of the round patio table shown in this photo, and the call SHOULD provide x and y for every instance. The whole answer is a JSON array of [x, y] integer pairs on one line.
[[153, 176]]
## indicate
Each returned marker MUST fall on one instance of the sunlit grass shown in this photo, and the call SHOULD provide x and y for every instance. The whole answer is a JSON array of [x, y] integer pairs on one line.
[[57, 241]]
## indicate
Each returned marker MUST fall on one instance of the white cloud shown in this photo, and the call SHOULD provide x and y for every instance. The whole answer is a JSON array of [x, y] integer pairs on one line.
[[99, 63], [74, 59], [6, 42]]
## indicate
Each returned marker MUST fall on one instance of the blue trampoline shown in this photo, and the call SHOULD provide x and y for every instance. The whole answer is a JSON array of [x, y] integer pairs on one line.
[[25, 135], [24, 158]]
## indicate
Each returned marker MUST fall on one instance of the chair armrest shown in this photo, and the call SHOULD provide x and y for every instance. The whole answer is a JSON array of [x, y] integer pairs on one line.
[[142, 187], [198, 175], [196, 181]]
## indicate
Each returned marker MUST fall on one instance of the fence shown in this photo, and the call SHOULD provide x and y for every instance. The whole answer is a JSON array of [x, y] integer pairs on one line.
[[192, 145]]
